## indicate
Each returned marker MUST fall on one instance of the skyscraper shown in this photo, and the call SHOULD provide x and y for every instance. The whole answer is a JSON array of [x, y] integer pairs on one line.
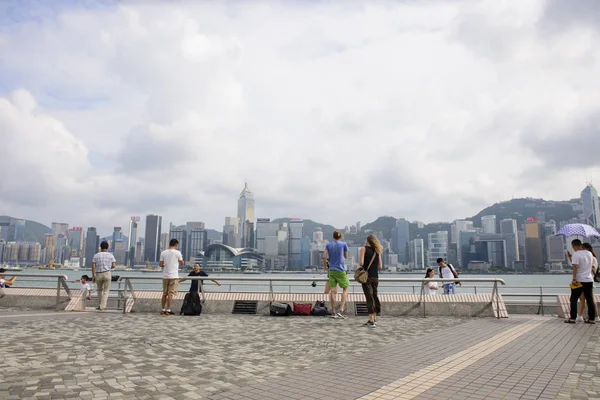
[[197, 243], [508, 228], [488, 223], [296, 233], [180, 233], [400, 238], [231, 234], [417, 253], [533, 245], [457, 227], [76, 242], [59, 228], [465, 248], [318, 234], [591, 209], [132, 240], [437, 247], [152, 237], [91, 245], [50, 248], [245, 212]]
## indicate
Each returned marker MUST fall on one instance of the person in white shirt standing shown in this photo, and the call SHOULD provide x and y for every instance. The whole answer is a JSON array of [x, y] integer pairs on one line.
[[170, 260], [447, 271], [583, 281], [102, 264]]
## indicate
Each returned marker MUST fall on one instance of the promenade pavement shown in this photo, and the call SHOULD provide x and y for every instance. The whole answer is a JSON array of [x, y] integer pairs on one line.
[[141, 356]]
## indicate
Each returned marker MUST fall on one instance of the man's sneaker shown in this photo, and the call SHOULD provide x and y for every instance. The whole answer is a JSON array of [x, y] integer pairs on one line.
[[579, 319], [340, 315], [597, 319], [334, 316], [371, 324]]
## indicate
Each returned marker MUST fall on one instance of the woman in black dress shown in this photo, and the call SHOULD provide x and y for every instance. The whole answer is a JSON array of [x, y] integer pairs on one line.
[[370, 259]]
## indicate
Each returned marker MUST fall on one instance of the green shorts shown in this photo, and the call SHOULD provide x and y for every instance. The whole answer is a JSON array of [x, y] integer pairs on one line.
[[338, 278]]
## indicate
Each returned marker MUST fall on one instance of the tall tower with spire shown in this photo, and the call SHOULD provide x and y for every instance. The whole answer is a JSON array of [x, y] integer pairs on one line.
[[591, 208], [246, 214]]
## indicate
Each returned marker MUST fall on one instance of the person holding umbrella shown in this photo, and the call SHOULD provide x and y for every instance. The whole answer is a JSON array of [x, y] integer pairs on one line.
[[583, 281]]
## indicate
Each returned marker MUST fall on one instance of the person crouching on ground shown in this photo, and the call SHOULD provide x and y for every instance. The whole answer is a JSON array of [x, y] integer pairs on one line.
[[170, 260]]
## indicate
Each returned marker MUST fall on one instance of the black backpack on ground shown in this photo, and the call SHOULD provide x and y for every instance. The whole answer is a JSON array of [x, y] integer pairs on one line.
[[319, 309], [191, 304], [597, 275], [280, 309]]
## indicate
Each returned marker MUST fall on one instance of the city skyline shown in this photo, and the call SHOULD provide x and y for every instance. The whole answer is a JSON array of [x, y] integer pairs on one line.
[[166, 108]]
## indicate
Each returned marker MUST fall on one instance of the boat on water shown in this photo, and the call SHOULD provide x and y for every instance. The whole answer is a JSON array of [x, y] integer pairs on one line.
[[7, 268]]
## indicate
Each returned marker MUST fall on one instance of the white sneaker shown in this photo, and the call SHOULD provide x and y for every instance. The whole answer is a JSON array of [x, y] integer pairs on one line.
[[340, 315], [597, 319], [579, 319]]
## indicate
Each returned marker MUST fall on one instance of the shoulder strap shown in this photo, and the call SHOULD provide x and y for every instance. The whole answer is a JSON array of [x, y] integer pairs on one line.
[[372, 258]]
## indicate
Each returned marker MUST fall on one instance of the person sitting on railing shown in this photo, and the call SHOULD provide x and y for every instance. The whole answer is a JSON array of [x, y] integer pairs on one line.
[[196, 285], [6, 283], [430, 287]]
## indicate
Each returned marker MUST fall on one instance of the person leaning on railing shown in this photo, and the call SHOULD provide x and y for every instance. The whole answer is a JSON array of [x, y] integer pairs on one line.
[[5, 283]]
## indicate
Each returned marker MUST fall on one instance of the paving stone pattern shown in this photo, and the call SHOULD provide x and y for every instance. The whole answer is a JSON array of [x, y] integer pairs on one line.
[[153, 357], [583, 382]]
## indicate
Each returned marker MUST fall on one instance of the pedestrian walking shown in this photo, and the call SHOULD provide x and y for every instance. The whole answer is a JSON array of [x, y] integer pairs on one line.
[[335, 254], [447, 271], [371, 251], [581, 308], [102, 265], [583, 281], [170, 260], [430, 287]]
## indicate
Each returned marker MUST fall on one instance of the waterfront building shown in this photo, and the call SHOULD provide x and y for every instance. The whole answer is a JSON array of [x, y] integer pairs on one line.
[[179, 233], [152, 238], [197, 244], [231, 232], [245, 212], [318, 235], [295, 235], [591, 208], [92, 245], [417, 254], [508, 228], [76, 242], [555, 248], [60, 228], [132, 240], [49, 247], [400, 239], [457, 227], [465, 252], [488, 223], [491, 248], [220, 257], [534, 256], [437, 247]]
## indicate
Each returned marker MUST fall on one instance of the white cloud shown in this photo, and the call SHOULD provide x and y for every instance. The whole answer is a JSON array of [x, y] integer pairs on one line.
[[333, 111]]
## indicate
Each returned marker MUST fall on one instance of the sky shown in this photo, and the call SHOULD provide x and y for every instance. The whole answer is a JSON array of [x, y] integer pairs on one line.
[[336, 111]]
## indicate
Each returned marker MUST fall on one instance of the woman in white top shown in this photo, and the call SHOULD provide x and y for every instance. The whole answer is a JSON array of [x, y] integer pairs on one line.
[[430, 287], [581, 309]]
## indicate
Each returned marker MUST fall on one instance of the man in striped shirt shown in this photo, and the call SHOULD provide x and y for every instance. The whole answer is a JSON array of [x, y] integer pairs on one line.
[[102, 264]]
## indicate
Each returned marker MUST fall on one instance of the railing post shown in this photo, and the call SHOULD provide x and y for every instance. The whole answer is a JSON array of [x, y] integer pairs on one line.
[[475, 289], [58, 292], [119, 295], [422, 299], [542, 300], [497, 299]]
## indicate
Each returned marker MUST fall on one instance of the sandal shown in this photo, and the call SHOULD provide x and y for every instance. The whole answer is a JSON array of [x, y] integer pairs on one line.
[[569, 321]]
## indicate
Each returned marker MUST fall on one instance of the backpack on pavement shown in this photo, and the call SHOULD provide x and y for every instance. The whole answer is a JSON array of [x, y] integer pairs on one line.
[[280, 309], [319, 309], [191, 304]]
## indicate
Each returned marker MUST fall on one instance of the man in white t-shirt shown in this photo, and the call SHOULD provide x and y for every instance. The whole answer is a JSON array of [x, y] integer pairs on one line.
[[170, 260], [583, 281], [447, 271]]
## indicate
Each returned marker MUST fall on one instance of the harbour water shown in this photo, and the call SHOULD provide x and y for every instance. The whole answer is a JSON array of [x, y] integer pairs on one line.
[[551, 283]]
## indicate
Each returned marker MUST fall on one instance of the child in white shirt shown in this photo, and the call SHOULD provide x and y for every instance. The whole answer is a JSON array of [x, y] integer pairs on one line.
[[86, 289]]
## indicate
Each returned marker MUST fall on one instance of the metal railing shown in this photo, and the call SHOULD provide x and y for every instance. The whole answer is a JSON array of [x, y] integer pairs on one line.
[[61, 280], [126, 280]]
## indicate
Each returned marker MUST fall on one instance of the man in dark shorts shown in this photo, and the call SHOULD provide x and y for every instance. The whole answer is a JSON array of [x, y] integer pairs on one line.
[[196, 285]]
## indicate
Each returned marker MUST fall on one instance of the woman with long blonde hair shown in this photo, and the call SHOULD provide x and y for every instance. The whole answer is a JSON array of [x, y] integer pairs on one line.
[[370, 260]]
